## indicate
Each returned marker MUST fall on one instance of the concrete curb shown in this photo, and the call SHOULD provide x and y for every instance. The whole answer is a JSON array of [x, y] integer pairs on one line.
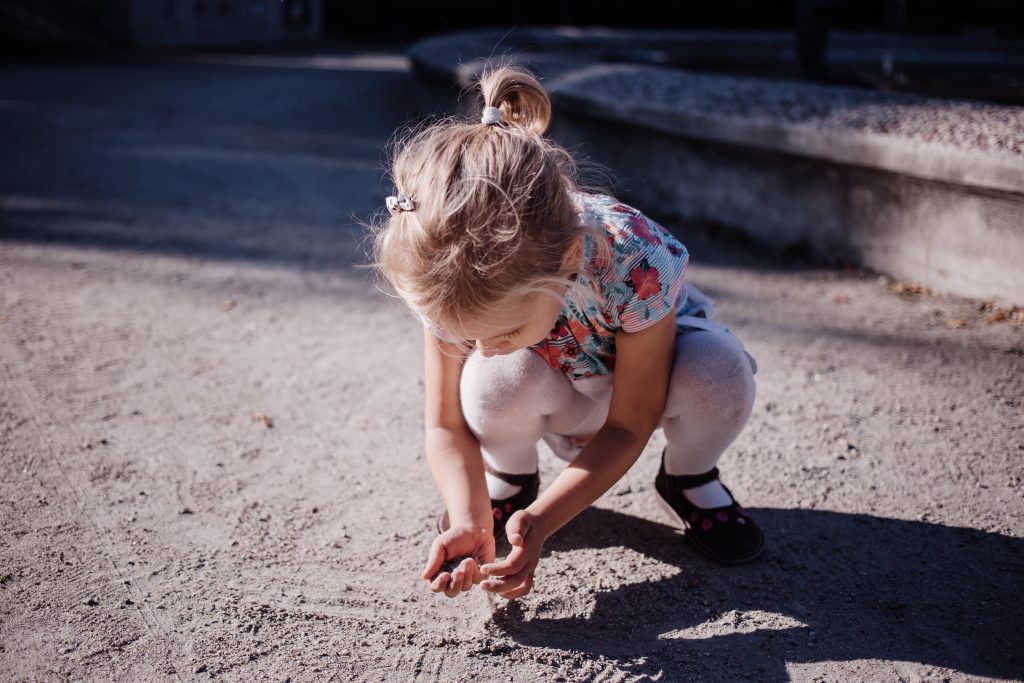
[[598, 91], [922, 188]]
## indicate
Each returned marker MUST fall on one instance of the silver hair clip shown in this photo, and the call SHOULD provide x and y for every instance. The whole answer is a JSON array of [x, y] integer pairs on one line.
[[491, 115], [402, 202]]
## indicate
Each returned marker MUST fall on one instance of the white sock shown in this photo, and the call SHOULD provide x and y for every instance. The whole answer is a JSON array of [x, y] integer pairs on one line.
[[499, 489], [709, 495]]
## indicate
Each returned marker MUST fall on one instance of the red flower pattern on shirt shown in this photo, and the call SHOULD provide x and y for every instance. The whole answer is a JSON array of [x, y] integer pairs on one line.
[[645, 281], [580, 332], [643, 230]]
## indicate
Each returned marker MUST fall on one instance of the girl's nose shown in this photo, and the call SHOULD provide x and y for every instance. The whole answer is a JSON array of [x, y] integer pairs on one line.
[[487, 349]]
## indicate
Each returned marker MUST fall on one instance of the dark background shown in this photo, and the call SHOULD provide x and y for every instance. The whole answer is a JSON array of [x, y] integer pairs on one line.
[[1003, 19], [99, 24]]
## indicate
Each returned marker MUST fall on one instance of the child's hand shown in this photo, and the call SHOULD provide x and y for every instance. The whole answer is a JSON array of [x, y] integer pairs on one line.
[[516, 571], [473, 543]]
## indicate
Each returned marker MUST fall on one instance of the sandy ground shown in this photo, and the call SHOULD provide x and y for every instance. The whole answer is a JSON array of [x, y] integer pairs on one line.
[[177, 244]]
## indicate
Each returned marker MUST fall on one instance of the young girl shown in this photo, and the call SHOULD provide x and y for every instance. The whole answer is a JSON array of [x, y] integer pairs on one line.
[[556, 314]]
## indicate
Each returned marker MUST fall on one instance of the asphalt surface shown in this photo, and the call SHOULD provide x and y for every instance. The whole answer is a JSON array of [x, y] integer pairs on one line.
[[210, 425]]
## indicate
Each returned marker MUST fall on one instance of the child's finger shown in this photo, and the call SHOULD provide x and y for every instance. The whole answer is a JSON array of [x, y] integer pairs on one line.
[[437, 556], [514, 589], [521, 590], [508, 582], [511, 564], [517, 528], [469, 568], [454, 586], [441, 582], [467, 582], [435, 559]]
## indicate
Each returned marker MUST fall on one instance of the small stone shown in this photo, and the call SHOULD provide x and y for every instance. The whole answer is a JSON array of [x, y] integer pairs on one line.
[[448, 566]]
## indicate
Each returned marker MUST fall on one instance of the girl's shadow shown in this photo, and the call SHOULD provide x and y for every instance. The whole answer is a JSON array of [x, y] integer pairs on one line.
[[831, 587]]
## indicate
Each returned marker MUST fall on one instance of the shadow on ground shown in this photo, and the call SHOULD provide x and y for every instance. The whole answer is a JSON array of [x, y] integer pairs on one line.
[[841, 587]]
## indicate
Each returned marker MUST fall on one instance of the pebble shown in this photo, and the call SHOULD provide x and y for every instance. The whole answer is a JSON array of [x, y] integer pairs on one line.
[[448, 566]]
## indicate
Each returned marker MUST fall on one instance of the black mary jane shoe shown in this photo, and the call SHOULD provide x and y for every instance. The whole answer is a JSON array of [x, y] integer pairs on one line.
[[724, 534], [504, 508]]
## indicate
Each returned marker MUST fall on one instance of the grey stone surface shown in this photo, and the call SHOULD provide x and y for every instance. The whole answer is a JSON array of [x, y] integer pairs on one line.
[[943, 234], [971, 143], [917, 187]]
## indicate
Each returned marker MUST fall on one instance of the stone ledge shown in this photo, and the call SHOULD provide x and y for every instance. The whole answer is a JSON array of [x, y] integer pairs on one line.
[[957, 141], [921, 188], [952, 141]]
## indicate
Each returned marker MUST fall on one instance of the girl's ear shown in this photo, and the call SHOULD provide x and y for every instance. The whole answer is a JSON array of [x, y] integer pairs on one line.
[[573, 255]]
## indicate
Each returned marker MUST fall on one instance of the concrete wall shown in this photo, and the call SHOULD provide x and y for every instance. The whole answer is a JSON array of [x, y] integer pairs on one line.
[[951, 237]]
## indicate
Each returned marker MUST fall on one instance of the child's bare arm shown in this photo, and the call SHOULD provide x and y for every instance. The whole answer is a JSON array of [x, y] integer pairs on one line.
[[453, 453], [643, 362]]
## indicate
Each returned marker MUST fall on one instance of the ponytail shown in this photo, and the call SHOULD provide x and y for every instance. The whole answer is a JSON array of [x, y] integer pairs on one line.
[[519, 95]]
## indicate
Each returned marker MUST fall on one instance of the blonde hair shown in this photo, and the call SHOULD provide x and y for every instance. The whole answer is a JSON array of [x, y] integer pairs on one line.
[[494, 214]]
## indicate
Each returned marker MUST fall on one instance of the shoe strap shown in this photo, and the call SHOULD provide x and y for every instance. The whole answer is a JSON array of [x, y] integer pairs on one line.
[[689, 481], [523, 480]]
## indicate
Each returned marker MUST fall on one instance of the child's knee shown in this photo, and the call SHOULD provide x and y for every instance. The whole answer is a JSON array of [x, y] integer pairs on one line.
[[503, 387], [711, 378]]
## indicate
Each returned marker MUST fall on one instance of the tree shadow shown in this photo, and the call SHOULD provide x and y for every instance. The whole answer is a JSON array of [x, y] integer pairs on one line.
[[837, 587]]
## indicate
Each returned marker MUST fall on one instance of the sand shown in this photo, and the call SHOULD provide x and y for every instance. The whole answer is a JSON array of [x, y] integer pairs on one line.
[[210, 428]]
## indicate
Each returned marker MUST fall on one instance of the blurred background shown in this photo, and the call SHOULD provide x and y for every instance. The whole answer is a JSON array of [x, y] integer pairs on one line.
[[979, 42]]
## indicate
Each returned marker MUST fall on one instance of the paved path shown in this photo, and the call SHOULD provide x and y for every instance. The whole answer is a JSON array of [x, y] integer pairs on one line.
[[176, 250]]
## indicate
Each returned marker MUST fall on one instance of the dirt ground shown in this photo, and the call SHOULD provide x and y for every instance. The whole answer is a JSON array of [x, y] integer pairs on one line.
[[210, 427]]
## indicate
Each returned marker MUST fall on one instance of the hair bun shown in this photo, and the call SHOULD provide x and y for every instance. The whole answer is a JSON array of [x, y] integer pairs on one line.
[[523, 101]]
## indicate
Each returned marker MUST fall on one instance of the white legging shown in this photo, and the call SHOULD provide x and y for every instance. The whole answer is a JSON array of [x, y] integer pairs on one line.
[[511, 402]]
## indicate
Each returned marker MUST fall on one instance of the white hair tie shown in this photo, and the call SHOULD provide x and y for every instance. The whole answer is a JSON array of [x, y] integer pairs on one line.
[[491, 115], [402, 202]]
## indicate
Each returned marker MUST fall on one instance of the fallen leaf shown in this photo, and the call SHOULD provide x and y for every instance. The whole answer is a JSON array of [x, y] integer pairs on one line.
[[997, 315], [229, 304], [957, 323], [841, 299], [267, 421], [907, 288]]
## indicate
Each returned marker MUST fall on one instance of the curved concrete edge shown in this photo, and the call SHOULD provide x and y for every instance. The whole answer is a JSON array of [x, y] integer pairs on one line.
[[566, 59], [725, 46], [948, 217], [589, 92], [948, 237]]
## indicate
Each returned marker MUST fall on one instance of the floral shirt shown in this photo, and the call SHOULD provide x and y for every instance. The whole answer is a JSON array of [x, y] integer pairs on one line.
[[641, 285]]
